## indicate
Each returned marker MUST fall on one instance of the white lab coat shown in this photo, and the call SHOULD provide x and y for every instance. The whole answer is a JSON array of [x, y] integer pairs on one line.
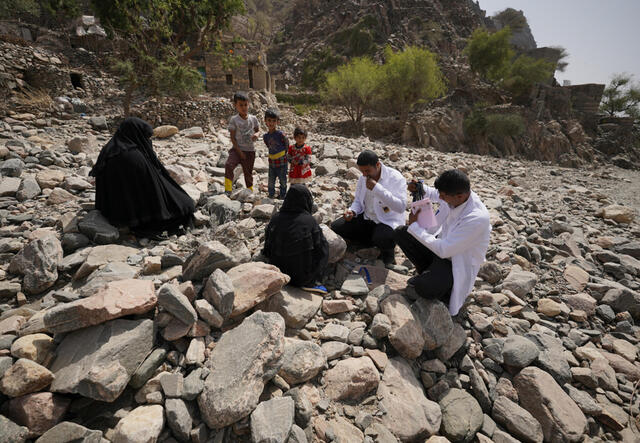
[[465, 244], [390, 197]]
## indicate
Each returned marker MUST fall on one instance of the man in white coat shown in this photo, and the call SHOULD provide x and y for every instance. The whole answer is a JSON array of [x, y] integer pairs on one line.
[[378, 207], [447, 257]]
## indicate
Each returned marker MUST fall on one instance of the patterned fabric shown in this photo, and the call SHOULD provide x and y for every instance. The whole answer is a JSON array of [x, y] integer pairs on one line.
[[277, 143], [244, 130], [300, 159]]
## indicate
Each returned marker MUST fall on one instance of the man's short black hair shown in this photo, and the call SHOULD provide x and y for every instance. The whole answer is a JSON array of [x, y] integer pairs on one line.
[[367, 158], [299, 131], [453, 182], [272, 113], [240, 97]]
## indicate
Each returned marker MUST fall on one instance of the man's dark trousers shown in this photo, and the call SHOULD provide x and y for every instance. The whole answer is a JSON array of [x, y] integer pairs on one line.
[[434, 278], [367, 233]]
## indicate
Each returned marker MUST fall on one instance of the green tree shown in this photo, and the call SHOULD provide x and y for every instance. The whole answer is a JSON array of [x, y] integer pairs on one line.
[[162, 37], [621, 97], [12, 8], [53, 8], [490, 54], [524, 73], [410, 77], [353, 86]]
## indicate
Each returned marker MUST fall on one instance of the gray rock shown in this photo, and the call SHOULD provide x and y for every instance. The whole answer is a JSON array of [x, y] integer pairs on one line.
[[172, 383], [29, 188], [148, 367], [244, 359], [301, 361], [296, 306], [410, 415], [519, 352], [480, 391], [73, 241], [208, 313], [303, 406], [68, 432], [380, 326], [206, 259], [354, 285], [490, 272], [176, 303], [551, 357], [335, 349], [517, 421], [95, 226], [220, 293], [98, 122], [435, 320], [223, 209], [12, 167], [272, 420], [337, 245], [623, 299], [585, 402], [297, 435], [193, 384], [461, 415], [97, 362], [38, 261], [9, 186], [520, 282], [453, 344], [5, 364], [334, 331], [11, 432], [179, 418]]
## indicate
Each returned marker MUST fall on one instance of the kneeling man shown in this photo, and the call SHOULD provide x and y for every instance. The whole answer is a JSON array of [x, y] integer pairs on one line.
[[447, 257], [378, 207]]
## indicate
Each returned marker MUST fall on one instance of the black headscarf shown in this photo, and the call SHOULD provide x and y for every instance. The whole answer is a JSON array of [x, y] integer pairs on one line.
[[298, 199], [133, 133]]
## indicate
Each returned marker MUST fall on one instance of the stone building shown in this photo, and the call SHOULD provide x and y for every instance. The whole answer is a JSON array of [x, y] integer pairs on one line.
[[253, 73]]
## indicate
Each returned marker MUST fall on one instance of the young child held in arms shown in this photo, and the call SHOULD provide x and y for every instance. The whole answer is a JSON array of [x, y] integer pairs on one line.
[[242, 127], [299, 155], [277, 143]]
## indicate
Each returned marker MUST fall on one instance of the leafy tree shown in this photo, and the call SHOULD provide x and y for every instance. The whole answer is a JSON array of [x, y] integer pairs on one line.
[[316, 65], [353, 86], [52, 8], [12, 8], [621, 97], [490, 54], [561, 64], [162, 36], [525, 72], [512, 18], [410, 77]]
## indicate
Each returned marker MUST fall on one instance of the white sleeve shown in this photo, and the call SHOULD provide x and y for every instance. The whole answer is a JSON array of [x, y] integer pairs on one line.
[[395, 197], [458, 240]]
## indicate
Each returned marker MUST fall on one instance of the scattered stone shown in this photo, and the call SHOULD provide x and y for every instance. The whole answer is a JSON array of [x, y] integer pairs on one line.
[[36, 347], [354, 285], [517, 421], [272, 420], [253, 283], [301, 361], [11, 432], [143, 424], [406, 334], [220, 293], [95, 226], [25, 377], [337, 245], [176, 303], [351, 379], [618, 213], [39, 412], [519, 352], [461, 415], [520, 282], [165, 131], [38, 261], [207, 258], [296, 306], [435, 320]]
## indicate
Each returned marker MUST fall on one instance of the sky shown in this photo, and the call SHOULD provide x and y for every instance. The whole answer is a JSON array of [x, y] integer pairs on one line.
[[601, 37]]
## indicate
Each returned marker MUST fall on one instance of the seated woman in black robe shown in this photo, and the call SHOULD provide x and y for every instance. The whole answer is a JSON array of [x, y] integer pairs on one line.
[[134, 189], [295, 243]]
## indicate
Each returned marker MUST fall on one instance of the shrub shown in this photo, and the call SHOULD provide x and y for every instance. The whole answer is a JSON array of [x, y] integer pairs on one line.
[[410, 77], [490, 54], [353, 86], [479, 124], [525, 72], [315, 66], [621, 97]]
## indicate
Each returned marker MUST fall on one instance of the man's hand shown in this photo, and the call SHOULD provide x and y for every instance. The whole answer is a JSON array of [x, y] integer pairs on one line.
[[348, 215], [371, 183], [413, 217]]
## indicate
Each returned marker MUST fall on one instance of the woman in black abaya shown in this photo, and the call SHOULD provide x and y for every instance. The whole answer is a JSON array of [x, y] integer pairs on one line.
[[294, 241], [134, 189]]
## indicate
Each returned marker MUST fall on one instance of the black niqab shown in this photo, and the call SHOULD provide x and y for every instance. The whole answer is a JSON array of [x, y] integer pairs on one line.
[[298, 199]]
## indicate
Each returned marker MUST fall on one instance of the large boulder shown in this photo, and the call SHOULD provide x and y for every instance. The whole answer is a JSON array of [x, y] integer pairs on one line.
[[25, 377], [618, 213], [254, 283], [551, 356], [410, 415], [462, 415], [244, 359], [623, 299], [223, 209], [517, 420], [39, 412], [101, 255], [38, 261], [68, 432], [519, 351], [337, 245], [143, 424], [406, 334], [272, 420], [435, 320], [97, 362], [296, 306], [116, 299], [560, 417], [350, 379], [302, 360], [520, 282], [206, 259]]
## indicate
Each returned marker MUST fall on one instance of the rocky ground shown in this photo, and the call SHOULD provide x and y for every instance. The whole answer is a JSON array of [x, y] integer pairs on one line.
[[108, 337]]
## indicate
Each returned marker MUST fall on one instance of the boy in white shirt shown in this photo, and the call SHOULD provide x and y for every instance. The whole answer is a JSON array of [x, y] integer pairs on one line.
[[377, 209], [447, 263]]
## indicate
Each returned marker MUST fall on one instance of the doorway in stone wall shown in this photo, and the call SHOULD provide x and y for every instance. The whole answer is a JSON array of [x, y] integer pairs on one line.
[[250, 78], [76, 80]]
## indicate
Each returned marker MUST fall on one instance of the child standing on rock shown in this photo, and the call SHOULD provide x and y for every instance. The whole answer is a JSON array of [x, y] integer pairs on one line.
[[299, 155], [277, 144], [242, 127]]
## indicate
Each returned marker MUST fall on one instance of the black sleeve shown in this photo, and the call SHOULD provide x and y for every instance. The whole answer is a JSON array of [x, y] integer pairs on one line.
[[320, 248], [268, 240]]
